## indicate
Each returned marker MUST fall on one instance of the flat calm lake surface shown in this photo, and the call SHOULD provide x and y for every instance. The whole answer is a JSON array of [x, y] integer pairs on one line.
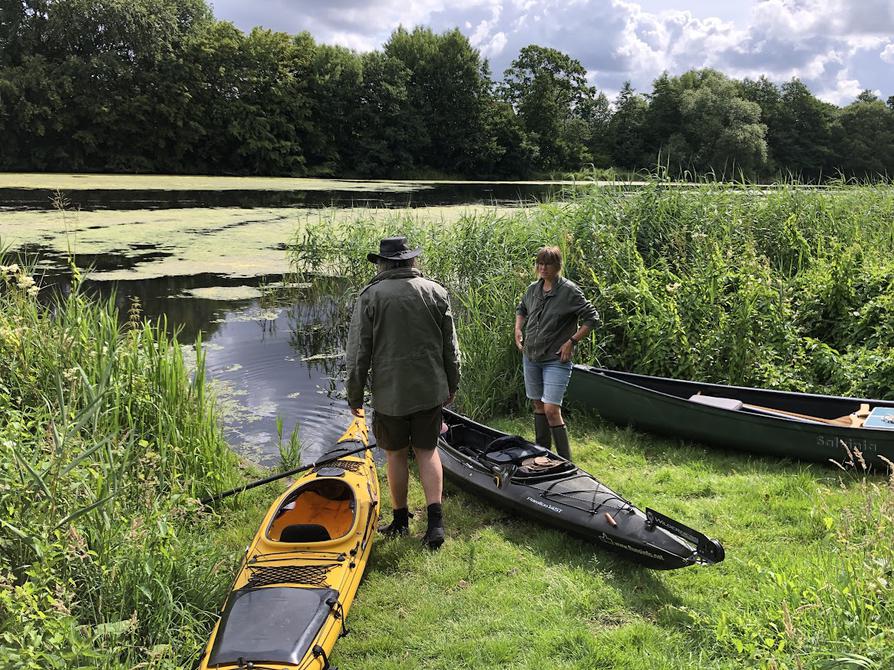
[[203, 253]]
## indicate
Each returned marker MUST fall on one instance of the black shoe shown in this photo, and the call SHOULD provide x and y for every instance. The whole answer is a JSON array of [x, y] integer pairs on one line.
[[394, 529], [434, 537]]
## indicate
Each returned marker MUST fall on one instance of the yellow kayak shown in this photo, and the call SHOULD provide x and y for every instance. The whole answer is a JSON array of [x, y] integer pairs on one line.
[[288, 604]]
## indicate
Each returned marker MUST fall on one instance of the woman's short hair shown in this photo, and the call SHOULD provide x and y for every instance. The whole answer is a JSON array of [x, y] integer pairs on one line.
[[550, 256]]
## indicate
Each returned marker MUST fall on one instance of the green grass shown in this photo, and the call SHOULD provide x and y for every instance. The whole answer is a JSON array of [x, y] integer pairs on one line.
[[504, 592]]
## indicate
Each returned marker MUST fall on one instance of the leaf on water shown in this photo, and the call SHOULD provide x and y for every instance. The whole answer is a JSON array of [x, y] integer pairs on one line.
[[322, 357]]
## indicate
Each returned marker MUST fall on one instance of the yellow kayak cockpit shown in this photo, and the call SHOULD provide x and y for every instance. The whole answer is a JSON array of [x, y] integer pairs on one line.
[[320, 511], [288, 603]]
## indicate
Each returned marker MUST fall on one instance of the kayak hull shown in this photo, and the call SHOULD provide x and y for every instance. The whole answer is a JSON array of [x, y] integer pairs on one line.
[[565, 497]]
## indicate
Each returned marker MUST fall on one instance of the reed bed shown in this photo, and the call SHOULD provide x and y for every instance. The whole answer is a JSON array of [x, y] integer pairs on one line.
[[786, 288], [106, 442]]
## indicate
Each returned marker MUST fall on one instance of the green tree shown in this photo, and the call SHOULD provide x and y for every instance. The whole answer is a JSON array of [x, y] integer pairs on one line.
[[376, 126], [448, 93], [722, 127], [662, 125], [864, 138], [549, 91], [626, 128]]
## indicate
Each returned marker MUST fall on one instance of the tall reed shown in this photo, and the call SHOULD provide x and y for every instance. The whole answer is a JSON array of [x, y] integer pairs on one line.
[[105, 444], [785, 287]]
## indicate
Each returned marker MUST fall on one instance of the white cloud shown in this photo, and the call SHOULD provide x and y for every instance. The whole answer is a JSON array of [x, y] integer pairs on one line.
[[843, 90], [835, 46]]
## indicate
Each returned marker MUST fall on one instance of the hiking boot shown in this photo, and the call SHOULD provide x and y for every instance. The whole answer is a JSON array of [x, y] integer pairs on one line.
[[434, 537], [399, 526]]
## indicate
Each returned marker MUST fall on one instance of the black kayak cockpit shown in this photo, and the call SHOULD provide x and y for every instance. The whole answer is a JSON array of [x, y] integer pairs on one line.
[[513, 449], [275, 624]]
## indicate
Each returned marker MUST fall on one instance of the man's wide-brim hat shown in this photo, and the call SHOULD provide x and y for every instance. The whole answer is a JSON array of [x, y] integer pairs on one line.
[[393, 249]]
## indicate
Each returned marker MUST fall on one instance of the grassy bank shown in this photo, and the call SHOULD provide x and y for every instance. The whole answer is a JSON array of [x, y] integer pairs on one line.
[[105, 559], [806, 583], [788, 289]]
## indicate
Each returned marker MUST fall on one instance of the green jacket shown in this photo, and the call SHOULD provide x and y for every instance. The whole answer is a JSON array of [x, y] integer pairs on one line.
[[551, 318], [402, 331]]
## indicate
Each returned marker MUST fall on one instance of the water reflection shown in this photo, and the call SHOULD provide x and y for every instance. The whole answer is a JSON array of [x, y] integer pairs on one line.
[[280, 355], [279, 361]]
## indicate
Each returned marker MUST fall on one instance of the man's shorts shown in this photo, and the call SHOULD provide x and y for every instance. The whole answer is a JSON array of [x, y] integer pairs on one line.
[[546, 381], [419, 429]]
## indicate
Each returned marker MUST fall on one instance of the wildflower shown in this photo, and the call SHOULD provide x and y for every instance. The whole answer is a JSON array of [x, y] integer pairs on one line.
[[25, 282], [672, 288], [33, 291]]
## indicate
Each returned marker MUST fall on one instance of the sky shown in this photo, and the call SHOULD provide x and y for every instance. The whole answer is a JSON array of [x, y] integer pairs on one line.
[[837, 48]]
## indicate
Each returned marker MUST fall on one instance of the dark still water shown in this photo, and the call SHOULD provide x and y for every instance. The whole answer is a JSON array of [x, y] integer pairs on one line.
[[422, 195]]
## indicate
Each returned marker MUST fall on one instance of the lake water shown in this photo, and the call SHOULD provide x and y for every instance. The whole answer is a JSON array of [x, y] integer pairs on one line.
[[199, 257]]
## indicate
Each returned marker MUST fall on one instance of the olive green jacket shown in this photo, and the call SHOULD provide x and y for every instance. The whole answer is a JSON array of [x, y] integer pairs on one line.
[[402, 333], [551, 318]]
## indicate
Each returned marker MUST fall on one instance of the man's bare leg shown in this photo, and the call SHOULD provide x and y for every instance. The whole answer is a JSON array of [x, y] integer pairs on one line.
[[432, 475]]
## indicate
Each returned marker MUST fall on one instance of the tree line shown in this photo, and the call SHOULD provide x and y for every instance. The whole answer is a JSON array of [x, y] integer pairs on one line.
[[162, 86]]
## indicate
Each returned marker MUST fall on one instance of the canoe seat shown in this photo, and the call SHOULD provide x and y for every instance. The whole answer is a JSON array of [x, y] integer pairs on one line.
[[304, 532], [714, 401], [513, 449]]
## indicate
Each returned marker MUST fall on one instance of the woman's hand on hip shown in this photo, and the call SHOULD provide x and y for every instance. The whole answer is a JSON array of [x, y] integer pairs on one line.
[[566, 351]]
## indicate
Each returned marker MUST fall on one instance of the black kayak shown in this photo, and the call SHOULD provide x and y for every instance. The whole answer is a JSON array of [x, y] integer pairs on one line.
[[805, 426], [531, 480]]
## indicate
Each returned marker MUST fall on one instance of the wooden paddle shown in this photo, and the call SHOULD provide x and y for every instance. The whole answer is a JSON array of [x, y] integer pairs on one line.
[[854, 420], [840, 421]]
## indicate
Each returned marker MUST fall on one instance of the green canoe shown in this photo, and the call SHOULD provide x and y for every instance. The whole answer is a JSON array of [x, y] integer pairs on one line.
[[790, 425]]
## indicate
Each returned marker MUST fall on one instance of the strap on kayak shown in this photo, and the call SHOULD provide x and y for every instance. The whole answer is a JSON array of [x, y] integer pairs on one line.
[[339, 613], [319, 651]]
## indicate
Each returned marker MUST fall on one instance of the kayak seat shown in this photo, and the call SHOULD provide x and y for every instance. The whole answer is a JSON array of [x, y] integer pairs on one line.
[[304, 532], [513, 449]]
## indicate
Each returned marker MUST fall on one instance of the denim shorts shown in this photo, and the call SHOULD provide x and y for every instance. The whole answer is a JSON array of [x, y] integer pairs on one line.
[[546, 381]]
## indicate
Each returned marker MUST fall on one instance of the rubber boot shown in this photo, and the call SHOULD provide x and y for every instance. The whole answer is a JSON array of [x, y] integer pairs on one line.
[[399, 526], [434, 536], [560, 435], [541, 431]]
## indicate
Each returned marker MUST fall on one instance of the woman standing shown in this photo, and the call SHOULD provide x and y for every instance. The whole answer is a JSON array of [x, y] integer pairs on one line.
[[546, 332]]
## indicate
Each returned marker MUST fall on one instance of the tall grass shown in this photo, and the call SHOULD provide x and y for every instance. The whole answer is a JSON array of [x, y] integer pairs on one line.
[[105, 444], [789, 288]]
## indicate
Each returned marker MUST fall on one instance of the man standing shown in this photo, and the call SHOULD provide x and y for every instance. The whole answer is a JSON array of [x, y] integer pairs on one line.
[[402, 331]]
